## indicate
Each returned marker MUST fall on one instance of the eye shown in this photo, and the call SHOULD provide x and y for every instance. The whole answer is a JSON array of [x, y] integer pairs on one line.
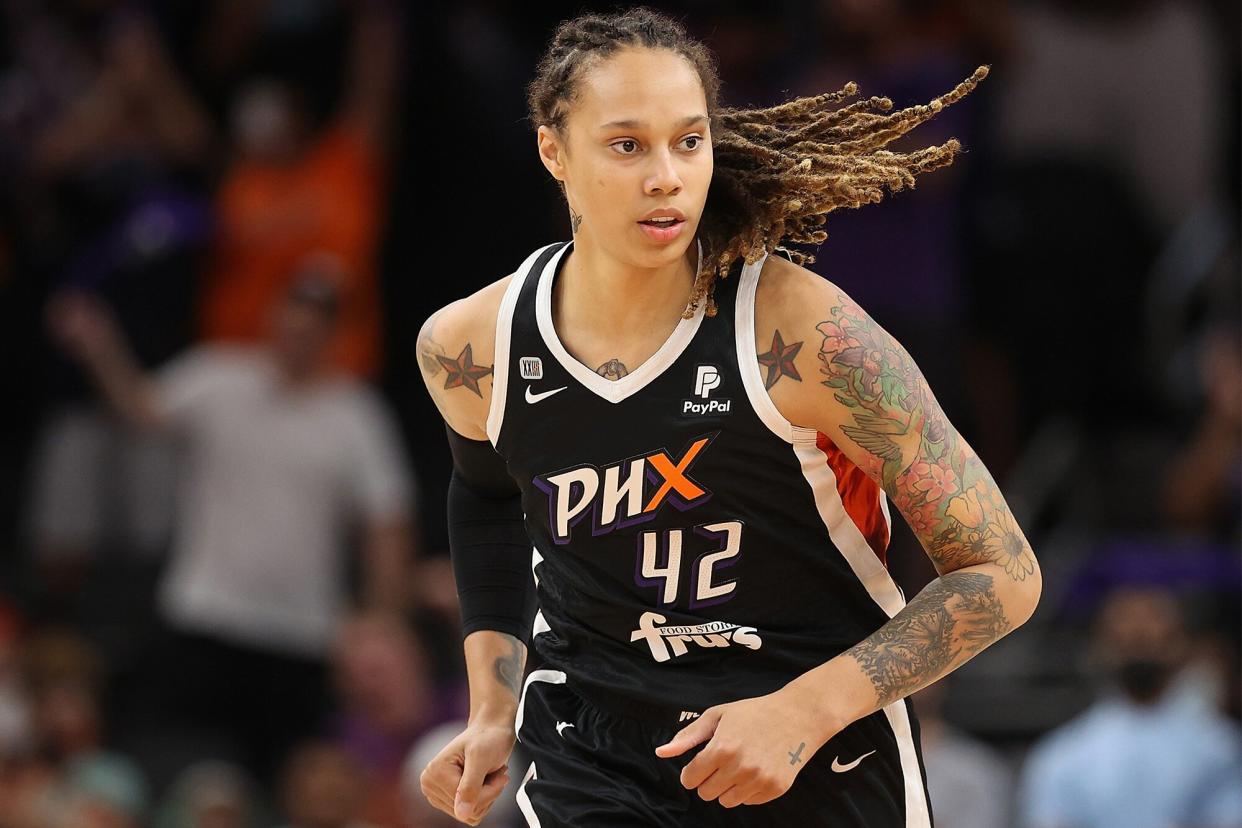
[[630, 141], [698, 139]]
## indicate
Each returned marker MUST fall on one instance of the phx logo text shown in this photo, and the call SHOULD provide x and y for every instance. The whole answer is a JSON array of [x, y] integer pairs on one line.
[[625, 492]]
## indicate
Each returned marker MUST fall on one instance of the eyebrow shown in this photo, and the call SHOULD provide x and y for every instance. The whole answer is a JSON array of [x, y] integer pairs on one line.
[[633, 124]]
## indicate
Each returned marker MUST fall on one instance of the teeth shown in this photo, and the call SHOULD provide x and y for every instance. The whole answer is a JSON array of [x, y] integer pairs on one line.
[[663, 220]]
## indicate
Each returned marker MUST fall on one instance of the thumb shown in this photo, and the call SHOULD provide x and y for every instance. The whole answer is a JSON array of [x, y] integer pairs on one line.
[[468, 788], [698, 731]]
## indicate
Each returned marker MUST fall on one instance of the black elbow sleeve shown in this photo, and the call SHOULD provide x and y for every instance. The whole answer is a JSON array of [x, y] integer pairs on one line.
[[491, 552]]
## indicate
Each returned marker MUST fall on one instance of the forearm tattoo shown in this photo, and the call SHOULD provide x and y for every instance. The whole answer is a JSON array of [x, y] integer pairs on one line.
[[508, 668], [946, 624], [613, 369], [460, 371], [943, 490], [927, 469]]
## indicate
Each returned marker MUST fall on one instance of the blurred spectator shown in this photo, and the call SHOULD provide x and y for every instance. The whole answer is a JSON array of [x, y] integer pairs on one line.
[[294, 187], [969, 783], [109, 151], [388, 700], [1148, 752], [67, 777], [15, 714], [283, 457], [1135, 85], [1203, 486], [210, 794], [322, 787]]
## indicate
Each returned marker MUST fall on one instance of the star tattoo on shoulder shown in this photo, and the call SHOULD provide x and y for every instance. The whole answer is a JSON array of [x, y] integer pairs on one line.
[[462, 372], [779, 360]]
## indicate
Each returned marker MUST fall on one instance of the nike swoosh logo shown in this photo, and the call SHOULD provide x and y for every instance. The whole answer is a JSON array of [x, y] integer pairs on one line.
[[839, 768], [534, 398], [561, 726]]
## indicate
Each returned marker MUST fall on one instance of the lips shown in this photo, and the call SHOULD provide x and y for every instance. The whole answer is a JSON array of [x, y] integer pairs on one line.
[[662, 231]]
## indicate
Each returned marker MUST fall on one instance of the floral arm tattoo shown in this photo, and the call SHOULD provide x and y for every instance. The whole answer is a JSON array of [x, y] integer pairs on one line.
[[945, 493]]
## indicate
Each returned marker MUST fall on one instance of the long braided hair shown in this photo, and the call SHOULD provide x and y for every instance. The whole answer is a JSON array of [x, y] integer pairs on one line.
[[778, 171]]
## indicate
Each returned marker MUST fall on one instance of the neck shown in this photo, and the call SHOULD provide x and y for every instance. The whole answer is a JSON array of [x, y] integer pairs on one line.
[[596, 292]]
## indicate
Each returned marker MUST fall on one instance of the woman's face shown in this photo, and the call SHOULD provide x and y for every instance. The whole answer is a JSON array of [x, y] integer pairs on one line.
[[636, 140]]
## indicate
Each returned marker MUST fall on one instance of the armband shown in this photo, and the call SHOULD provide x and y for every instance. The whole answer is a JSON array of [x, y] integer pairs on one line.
[[488, 543]]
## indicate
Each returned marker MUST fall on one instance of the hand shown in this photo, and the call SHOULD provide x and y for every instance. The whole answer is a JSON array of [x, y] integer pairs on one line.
[[464, 778], [756, 748], [80, 322]]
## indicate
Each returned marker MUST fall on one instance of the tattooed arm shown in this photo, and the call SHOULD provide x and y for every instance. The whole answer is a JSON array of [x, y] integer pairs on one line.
[[830, 367], [455, 349]]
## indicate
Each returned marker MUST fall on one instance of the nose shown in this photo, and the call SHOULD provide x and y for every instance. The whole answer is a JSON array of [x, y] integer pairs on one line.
[[663, 177]]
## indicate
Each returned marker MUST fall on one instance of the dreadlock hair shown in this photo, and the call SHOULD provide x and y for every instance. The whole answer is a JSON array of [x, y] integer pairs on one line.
[[778, 171]]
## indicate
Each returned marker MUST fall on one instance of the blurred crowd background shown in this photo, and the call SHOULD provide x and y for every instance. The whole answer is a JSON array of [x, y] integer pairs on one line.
[[225, 598]]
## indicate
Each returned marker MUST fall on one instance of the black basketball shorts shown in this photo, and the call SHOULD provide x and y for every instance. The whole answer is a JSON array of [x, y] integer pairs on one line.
[[594, 766]]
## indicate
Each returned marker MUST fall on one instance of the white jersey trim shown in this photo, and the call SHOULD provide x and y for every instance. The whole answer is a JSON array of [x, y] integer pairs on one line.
[[540, 624], [918, 812], [614, 391], [548, 675], [846, 537], [504, 334], [748, 361], [523, 799]]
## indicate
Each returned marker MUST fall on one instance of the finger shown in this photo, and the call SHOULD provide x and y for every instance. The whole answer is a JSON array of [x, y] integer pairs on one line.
[[700, 768], [493, 785], [438, 790], [442, 776], [697, 732], [761, 794], [735, 796], [716, 784], [470, 788]]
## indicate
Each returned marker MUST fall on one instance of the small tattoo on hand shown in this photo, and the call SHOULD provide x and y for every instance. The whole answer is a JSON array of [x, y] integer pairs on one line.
[[795, 756]]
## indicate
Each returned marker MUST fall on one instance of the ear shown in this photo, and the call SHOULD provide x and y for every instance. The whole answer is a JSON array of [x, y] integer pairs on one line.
[[551, 151]]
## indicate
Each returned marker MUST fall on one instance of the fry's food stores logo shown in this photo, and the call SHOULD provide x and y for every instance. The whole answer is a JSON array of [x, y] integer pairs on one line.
[[678, 638]]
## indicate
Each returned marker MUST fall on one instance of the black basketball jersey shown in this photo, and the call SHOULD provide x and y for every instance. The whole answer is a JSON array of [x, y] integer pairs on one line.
[[691, 546]]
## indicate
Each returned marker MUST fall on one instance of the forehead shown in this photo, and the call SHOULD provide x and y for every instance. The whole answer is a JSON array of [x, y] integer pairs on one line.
[[657, 86]]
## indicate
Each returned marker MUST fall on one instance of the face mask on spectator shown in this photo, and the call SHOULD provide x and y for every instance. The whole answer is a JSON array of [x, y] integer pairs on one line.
[[1142, 678]]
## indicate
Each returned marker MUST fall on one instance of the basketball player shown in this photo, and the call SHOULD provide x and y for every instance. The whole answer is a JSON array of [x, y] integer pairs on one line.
[[700, 441]]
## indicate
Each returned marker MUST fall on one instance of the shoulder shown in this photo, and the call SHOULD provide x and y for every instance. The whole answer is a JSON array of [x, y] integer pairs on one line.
[[790, 295], [456, 351], [794, 311]]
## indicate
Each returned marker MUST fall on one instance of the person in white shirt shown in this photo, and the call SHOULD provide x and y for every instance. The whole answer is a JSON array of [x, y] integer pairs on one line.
[[282, 459], [1149, 752]]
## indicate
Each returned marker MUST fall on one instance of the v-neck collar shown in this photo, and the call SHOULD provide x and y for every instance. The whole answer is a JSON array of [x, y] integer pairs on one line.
[[612, 390]]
